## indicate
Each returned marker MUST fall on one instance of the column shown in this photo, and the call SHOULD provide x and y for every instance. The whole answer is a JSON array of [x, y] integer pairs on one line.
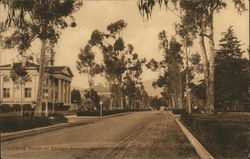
[[1, 88], [59, 90], [66, 92], [62, 93], [50, 89], [69, 95]]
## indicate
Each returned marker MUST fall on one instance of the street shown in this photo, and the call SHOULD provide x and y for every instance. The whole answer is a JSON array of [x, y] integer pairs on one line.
[[137, 135]]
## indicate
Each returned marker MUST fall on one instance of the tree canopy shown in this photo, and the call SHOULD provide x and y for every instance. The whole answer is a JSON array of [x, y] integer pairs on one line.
[[231, 72]]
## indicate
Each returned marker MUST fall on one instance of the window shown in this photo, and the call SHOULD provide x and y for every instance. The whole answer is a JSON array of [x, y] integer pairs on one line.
[[6, 92], [6, 79], [27, 92]]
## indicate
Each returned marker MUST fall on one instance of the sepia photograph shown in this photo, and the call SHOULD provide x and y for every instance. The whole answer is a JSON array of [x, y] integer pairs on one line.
[[124, 79]]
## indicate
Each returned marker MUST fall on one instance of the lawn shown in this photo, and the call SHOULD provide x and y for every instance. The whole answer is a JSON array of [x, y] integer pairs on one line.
[[225, 135]]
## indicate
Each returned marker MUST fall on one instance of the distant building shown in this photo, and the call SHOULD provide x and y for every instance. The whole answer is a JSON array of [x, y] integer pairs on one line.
[[101, 90], [56, 84]]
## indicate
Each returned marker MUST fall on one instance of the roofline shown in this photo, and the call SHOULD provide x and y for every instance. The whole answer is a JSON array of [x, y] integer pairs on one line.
[[8, 67]]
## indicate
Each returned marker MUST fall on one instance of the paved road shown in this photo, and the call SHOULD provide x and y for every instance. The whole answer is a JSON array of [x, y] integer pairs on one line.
[[137, 135]]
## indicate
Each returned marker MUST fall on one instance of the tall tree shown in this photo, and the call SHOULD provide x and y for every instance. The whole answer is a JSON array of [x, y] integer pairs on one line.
[[199, 15], [172, 76], [37, 19], [87, 65], [231, 73], [118, 59]]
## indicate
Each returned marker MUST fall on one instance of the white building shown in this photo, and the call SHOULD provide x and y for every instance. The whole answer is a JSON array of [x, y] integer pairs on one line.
[[100, 89], [56, 84]]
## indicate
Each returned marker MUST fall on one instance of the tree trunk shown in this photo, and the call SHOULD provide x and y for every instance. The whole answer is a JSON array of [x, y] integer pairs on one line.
[[180, 91], [210, 103], [205, 66], [39, 101], [21, 96], [173, 102], [187, 80]]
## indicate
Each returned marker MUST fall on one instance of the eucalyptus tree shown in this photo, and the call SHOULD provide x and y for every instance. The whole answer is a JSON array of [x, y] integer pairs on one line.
[[198, 15], [171, 77], [132, 85], [118, 59], [87, 65], [29, 20]]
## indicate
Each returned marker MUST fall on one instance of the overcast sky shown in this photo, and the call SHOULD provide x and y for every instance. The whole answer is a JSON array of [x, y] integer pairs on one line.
[[142, 34]]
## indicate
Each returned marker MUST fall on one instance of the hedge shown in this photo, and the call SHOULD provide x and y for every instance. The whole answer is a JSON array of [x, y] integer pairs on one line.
[[224, 135], [106, 112], [57, 106], [178, 111], [17, 123], [5, 108]]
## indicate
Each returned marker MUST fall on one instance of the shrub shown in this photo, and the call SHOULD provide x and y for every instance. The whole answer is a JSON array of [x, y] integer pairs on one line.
[[5, 108], [17, 123], [60, 106], [178, 111], [224, 135], [66, 107], [27, 107], [106, 112], [16, 107]]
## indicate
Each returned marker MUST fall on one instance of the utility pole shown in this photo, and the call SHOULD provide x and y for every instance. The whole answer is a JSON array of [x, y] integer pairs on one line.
[[101, 109], [21, 83]]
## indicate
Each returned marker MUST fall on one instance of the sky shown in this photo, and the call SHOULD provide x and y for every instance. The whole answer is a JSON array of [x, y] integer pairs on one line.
[[143, 34]]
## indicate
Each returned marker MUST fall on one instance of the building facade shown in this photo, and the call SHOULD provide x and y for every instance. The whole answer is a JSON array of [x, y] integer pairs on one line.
[[56, 84], [101, 90]]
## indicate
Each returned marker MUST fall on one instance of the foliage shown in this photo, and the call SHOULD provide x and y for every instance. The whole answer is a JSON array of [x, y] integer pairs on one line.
[[15, 123], [28, 20], [87, 65], [5, 108], [178, 111], [231, 72], [76, 96], [36, 19], [120, 65], [19, 73], [224, 135], [171, 77], [156, 102], [197, 19], [92, 94], [107, 112]]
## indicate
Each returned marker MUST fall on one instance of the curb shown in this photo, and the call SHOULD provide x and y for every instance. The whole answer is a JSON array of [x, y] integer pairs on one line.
[[40, 130], [174, 115], [199, 148]]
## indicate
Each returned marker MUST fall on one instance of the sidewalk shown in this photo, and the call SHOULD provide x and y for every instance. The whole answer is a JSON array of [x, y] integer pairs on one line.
[[73, 121]]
